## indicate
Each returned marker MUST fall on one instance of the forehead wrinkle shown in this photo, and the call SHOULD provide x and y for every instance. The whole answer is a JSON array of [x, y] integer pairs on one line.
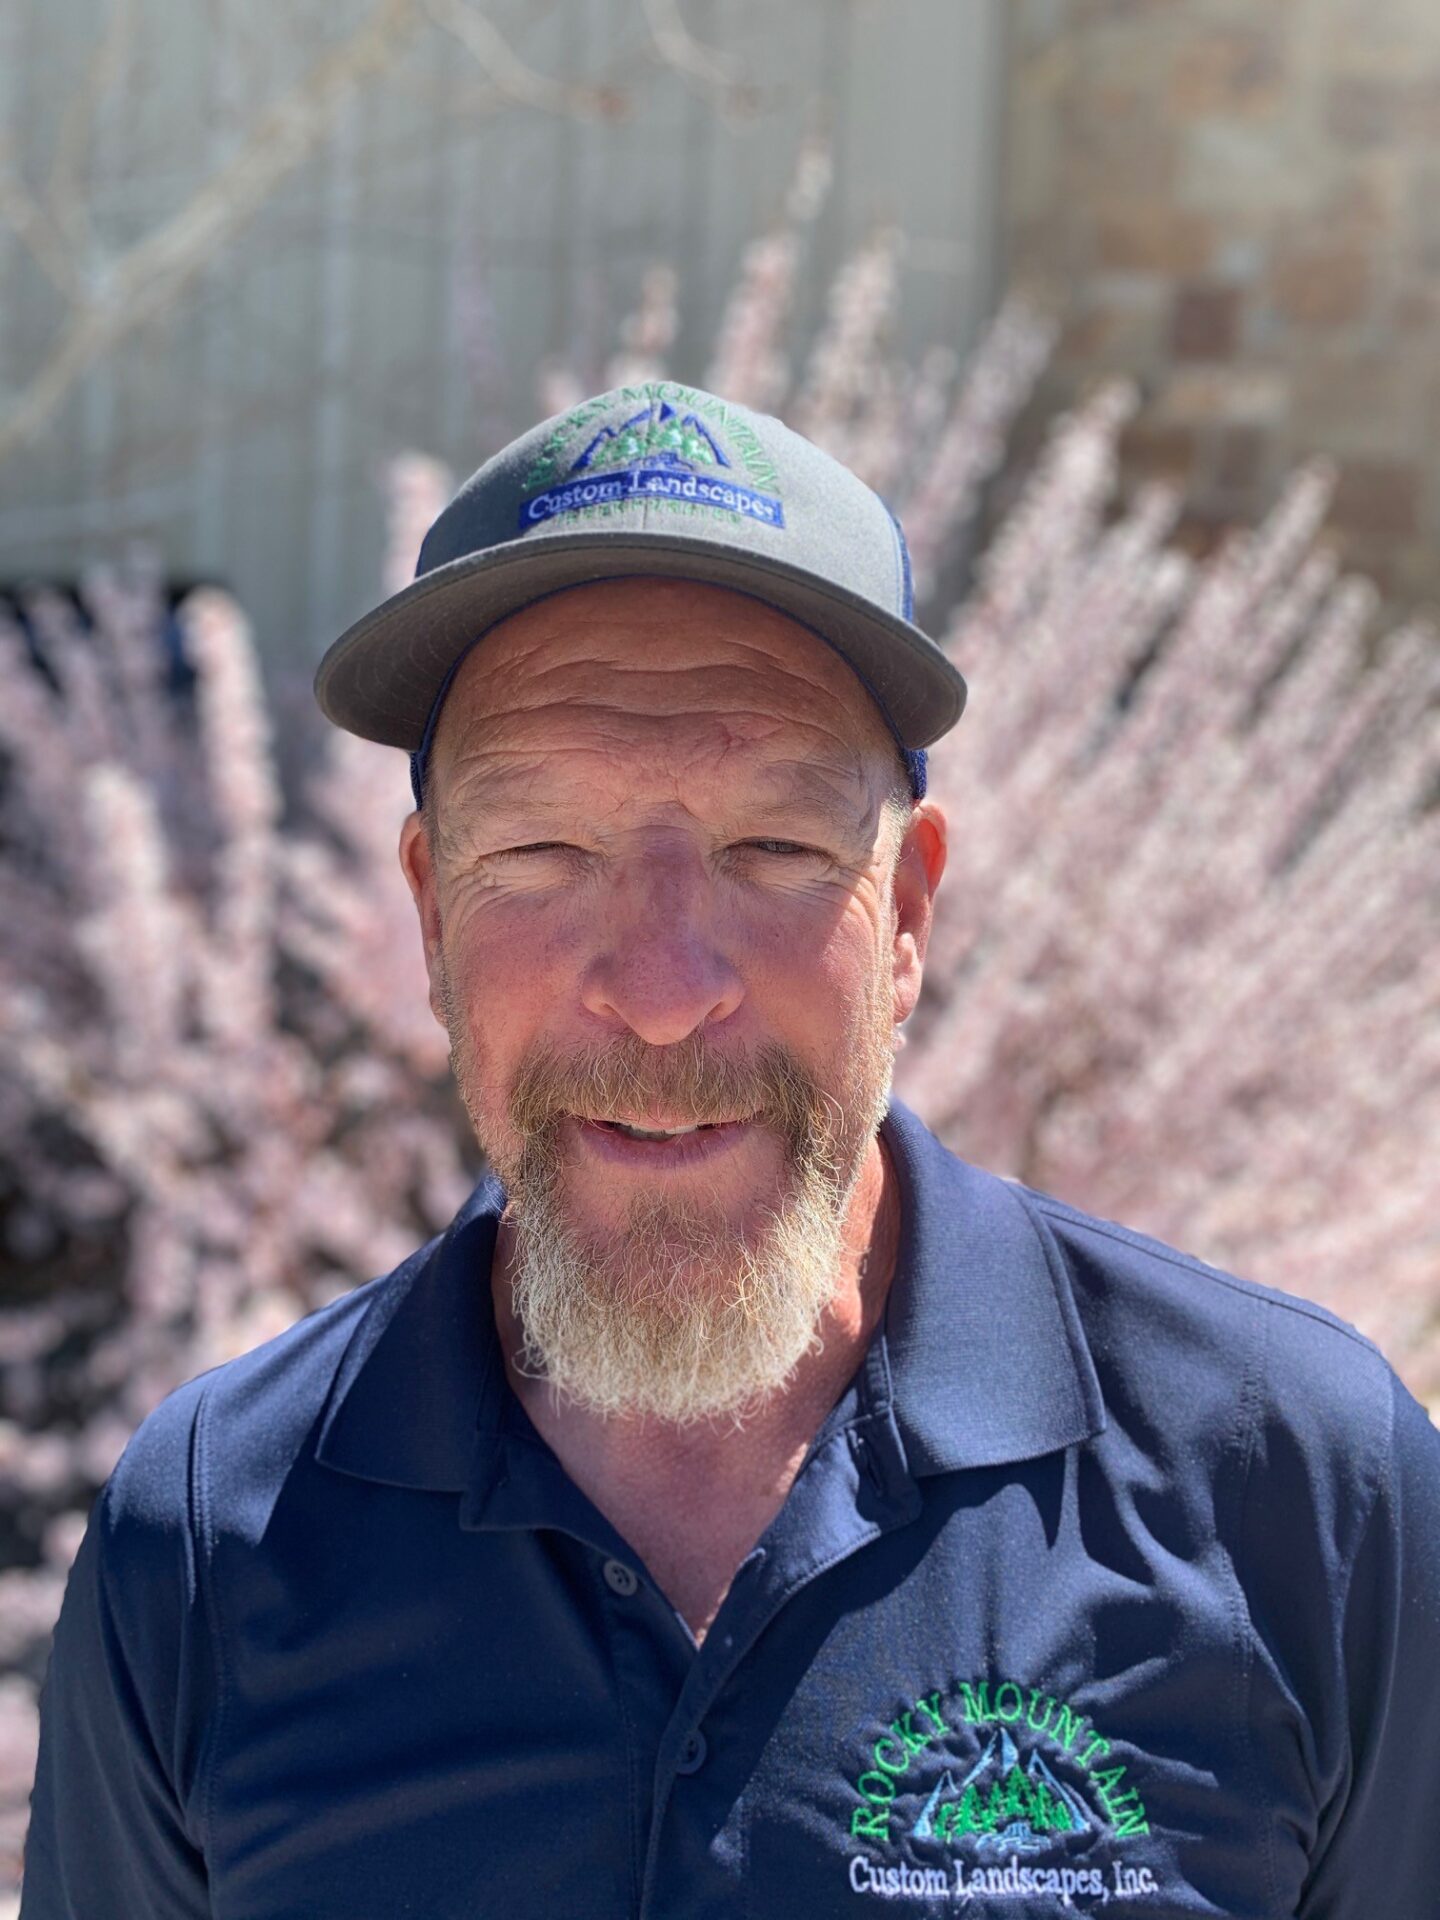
[[485, 776], [807, 788], [750, 697], [614, 636], [516, 686], [532, 743], [532, 739]]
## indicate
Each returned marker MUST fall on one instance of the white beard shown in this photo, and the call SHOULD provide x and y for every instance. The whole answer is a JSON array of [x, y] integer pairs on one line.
[[695, 1329], [674, 1316]]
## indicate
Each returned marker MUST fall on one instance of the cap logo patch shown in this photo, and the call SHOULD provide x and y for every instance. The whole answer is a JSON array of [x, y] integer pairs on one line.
[[671, 452]]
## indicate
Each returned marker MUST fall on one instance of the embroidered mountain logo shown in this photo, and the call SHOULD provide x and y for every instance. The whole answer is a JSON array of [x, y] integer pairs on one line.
[[677, 450], [1003, 1799], [1002, 1803], [1037, 1785]]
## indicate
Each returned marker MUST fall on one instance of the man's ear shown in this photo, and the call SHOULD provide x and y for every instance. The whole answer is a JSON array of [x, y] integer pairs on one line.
[[418, 866], [917, 878]]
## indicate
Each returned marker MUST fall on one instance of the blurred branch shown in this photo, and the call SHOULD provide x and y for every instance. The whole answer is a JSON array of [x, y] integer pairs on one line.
[[36, 231], [480, 37], [146, 278], [66, 205], [679, 48]]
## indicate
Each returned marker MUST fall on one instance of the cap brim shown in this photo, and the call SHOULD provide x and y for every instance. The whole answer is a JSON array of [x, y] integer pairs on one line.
[[380, 678]]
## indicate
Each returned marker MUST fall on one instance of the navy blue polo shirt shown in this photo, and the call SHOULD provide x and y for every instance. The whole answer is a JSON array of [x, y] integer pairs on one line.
[[1112, 1580]]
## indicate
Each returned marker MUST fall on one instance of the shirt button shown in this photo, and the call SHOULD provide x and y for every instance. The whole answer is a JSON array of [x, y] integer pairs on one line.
[[620, 1578], [692, 1754]]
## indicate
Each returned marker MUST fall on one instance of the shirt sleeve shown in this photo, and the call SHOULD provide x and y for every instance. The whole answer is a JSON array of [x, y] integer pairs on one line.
[[115, 1828], [1378, 1845]]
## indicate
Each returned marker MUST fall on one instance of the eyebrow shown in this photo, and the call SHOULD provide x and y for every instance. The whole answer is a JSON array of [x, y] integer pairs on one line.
[[807, 796], [811, 797]]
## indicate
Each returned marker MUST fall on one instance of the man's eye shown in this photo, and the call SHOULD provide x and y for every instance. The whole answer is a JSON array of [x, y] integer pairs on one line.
[[787, 846], [787, 849]]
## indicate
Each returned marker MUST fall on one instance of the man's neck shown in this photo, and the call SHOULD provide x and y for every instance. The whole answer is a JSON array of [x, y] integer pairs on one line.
[[696, 1499]]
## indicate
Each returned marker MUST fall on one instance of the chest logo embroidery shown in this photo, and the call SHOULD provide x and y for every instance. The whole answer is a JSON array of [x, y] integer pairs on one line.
[[993, 1789], [679, 450]]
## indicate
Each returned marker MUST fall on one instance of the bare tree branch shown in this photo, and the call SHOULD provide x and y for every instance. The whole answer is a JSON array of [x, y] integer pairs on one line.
[[480, 37], [66, 205], [149, 275], [679, 48], [33, 227]]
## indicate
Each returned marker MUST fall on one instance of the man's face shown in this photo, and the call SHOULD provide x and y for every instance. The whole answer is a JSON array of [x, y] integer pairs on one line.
[[661, 890]]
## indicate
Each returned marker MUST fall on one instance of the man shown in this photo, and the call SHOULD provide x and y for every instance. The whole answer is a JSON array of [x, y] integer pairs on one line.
[[781, 1516]]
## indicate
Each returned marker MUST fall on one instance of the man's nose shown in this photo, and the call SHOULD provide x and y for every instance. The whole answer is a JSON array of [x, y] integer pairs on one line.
[[661, 955]]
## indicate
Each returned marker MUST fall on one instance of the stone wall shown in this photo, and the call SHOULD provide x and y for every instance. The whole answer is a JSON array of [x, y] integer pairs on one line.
[[1239, 205]]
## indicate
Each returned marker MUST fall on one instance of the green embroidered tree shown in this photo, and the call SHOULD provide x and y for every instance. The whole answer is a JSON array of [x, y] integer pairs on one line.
[[968, 1815], [641, 442], [995, 1807], [1048, 1812], [696, 447], [1017, 1795]]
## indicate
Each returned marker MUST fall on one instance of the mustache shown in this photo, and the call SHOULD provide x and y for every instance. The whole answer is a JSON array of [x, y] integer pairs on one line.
[[688, 1083]]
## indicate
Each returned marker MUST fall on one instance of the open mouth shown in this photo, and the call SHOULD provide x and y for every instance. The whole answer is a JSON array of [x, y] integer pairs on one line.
[[629, 1146]]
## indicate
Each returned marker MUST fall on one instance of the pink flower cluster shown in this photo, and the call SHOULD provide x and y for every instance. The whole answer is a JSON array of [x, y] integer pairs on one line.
[[224, 1097], [1183, 970]]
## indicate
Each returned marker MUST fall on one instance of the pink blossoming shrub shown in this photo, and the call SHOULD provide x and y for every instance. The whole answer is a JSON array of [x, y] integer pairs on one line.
[[1183, 971], [224, 1099]]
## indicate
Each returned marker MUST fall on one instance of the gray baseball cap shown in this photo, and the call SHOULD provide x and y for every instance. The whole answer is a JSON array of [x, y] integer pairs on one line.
[[649, 479]]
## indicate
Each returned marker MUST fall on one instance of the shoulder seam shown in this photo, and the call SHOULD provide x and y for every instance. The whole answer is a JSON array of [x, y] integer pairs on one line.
[[1250, 1290], [205, 1556], [1384, 1466], [1253, 1391], [1384, 1473]]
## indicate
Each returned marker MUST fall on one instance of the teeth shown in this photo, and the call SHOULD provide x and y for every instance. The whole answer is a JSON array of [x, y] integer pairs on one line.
[[640, 1133]]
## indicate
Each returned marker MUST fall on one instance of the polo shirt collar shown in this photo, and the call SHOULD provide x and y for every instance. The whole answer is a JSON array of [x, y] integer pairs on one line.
[[988, 1359], [423, 1369], [988, 1362]]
